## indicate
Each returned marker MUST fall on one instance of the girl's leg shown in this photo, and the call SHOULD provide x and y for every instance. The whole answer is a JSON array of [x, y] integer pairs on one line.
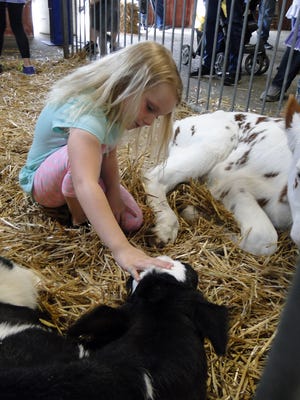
[[77, 214], [53, 187], [15, 12], [49, 178], [131, 223]]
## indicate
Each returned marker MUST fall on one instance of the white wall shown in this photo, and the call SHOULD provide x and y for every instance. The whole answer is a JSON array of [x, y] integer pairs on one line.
[[40, 17]]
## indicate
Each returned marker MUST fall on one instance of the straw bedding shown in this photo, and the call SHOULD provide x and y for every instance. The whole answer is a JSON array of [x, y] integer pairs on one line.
[[79, 272]]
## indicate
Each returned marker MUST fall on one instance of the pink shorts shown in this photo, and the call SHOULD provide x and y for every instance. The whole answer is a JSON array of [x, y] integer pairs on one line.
[[53, 182]]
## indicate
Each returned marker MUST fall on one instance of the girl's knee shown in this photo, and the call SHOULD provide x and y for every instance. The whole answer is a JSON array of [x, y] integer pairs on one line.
[[131, 223]]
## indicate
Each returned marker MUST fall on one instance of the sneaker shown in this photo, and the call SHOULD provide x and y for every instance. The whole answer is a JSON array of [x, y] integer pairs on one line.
[[268, 46], [91, 48], [272, 94], [28, 70], [230, 79], [143, 26], [164, 27], [205, 71]]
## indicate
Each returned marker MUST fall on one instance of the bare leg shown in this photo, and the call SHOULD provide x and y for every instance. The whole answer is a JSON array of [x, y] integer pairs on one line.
[[78, 215], [27, 62]]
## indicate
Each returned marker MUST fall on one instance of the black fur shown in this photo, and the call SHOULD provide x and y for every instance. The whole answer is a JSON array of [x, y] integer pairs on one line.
[[156, 337], [6, 263], [164, 323], [37, 345]]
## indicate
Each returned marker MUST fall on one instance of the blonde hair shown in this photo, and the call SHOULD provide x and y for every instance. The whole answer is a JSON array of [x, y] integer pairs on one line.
[[128, 73]]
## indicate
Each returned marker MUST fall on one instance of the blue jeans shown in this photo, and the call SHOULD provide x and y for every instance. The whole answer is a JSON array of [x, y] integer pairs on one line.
[[158, 8], [234, 37], [266, 12]]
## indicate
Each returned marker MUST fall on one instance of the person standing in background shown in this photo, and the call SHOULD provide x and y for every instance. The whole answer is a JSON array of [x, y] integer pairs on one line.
[[15, 13], [143, 10], [293, 44], [104, 17], [159, 12], [266, 11], [234, 38]]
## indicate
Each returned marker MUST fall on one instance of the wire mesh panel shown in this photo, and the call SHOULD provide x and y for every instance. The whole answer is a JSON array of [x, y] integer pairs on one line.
[[226, 33]]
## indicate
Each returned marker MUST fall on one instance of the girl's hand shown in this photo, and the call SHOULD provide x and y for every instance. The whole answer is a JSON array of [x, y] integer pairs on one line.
[[134, 260]]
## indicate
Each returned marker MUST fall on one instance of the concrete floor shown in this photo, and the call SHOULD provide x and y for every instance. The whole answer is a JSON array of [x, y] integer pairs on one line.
[[207, 94], [39, 48]]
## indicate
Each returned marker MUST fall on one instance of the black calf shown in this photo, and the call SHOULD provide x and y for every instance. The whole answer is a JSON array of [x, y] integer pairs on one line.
[[152, 347]]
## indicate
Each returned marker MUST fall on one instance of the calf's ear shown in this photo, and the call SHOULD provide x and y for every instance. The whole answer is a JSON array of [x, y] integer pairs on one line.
[[101, 325], [191, 276], [212, 323], [292, 108], [292, 122]]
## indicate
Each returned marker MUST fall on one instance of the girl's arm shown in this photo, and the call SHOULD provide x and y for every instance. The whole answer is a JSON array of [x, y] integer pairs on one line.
[[110, 171], [111, 178], [85, 157]]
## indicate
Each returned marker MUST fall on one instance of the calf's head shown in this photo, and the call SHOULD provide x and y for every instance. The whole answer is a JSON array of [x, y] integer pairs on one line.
[[172, 291], [18, 285], [182, 272]]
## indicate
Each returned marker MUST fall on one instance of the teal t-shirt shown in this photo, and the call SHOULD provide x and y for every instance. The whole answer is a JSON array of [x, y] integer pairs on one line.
[[51, 133]]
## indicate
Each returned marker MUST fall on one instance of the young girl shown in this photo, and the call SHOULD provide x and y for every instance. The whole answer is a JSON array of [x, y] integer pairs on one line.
[[73, 157]]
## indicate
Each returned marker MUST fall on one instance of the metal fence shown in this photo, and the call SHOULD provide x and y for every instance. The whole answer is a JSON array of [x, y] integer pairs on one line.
[[100, 27]]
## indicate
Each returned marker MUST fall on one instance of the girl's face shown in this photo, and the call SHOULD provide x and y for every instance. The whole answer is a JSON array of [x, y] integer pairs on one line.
[[160, 100]]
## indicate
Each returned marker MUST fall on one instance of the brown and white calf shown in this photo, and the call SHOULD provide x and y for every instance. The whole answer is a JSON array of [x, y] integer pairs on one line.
[[281, 375], [292, 119], [245, 160]]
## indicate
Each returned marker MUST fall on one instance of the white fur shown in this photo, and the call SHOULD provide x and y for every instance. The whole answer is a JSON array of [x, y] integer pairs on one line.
[[293, 135], [214, 147], [8, 330], [178, 271], [83, 353], [149, 387], [18, 286]]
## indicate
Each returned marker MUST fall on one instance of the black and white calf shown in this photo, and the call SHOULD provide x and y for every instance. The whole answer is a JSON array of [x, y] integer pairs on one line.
[[149, 348], [245, 160], [163, 323], [24, 340]]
